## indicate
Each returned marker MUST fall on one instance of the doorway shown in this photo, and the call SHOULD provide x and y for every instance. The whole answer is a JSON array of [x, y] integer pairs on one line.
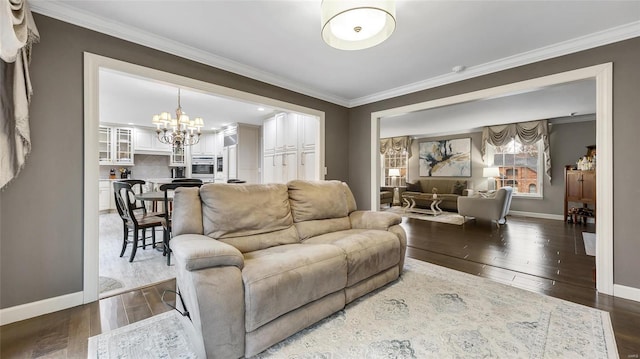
[[602, 74], [92, 65]]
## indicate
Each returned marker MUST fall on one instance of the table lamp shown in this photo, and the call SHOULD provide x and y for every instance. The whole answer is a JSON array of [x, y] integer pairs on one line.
[[394, 173], [491, 172]]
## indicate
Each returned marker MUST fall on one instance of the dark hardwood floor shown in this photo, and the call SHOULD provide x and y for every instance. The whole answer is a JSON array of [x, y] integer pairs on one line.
[[543, 256]]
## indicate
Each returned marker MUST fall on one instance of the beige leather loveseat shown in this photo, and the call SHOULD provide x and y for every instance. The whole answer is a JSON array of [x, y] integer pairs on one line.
[[448, 191], [258, 263]]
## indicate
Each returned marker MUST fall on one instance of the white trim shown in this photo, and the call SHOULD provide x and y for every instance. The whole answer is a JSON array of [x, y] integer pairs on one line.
[[84, 19], [604, 141], [127, 32], [34, 309], [557, 217], [92, 64], [625, 292]]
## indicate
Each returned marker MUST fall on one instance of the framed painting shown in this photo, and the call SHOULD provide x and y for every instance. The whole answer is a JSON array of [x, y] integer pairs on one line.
[[446, 158]]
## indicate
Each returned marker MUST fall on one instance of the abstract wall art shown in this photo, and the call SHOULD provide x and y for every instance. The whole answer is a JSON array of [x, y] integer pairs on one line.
[[445, 158]]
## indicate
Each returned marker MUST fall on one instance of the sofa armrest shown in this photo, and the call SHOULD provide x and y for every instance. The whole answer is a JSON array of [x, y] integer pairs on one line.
[[196, 251], [374, 220]]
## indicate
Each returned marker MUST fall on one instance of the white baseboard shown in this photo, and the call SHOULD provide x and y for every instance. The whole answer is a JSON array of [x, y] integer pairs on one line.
[[558, 217], [625, 292], [45, 306]]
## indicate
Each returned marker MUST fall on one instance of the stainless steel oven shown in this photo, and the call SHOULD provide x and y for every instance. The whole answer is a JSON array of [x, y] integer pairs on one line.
[[203, 166]]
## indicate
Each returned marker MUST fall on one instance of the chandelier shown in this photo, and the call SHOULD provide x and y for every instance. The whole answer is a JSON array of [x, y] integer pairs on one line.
[[357, 24], [179, 131]]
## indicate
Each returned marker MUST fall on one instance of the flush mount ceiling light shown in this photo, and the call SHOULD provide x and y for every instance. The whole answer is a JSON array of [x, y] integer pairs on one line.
[[357, 24]]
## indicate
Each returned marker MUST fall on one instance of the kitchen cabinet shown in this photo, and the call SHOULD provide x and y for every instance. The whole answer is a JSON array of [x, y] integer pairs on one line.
[[307, 165], [206, 145], [178, 157], [219, 143], [289, 148], [106, 201], [115, 146], [580, 187], [146, 142]]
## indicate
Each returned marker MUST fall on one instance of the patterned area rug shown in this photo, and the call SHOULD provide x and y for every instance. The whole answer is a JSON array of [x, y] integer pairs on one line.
[[430, 312], [107, 284], [444, 217]]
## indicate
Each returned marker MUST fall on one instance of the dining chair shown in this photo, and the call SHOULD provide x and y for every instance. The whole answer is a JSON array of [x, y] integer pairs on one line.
[[168, 188], [134, 217]]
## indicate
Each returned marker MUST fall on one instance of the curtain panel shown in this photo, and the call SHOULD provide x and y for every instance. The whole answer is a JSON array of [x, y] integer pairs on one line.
[[527, 133], [397, 144], [17, 33]]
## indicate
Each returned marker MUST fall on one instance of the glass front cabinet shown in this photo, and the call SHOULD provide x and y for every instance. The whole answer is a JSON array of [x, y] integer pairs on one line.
[[115, 146]]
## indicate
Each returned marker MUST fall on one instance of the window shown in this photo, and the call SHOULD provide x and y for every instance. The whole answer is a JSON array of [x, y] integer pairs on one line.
[[521, 167], [393, 160]]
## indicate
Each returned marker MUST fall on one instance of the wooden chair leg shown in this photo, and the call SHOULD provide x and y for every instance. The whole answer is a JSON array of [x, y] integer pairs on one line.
[[134, 247], [124, 239], [144, 238]]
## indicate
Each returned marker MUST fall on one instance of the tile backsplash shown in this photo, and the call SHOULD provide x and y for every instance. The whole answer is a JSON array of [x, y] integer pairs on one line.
[[146, 166]]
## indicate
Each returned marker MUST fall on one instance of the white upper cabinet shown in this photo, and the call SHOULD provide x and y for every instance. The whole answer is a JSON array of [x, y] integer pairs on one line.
[[115, 146], [308, 132], [289, 148], [146, 142], [206, 145]]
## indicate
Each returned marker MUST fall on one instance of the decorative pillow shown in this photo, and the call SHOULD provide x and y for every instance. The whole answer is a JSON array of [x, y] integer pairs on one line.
[[457, 188], [414, 187]]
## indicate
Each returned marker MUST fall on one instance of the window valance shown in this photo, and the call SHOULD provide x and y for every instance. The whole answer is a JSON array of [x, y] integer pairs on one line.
[[397, 144], [527, 133]]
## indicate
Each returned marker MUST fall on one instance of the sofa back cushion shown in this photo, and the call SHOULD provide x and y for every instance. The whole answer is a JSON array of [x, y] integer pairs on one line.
[[319, 207], [187, 211], [443, 186], [248, 216]]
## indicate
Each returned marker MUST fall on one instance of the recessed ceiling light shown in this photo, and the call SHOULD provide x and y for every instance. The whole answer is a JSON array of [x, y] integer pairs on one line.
[[130, 123], [260, 108]]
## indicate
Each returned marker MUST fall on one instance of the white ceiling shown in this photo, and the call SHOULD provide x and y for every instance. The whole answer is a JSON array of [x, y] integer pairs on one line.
[[129, 100], [279, 42]]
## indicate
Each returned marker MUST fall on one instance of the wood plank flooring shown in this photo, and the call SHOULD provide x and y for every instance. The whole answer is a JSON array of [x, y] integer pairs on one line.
[[543, 256]]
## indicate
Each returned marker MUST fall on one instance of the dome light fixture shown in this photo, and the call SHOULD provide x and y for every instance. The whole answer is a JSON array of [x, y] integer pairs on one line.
[[357, 24]]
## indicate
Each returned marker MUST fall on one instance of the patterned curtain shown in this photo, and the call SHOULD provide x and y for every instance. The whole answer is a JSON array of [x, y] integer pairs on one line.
[[397, 144], [527, 133]]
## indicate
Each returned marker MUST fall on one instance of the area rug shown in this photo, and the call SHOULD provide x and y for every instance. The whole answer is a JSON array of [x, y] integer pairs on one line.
[[589, 240], [444, 217], [430, 312]]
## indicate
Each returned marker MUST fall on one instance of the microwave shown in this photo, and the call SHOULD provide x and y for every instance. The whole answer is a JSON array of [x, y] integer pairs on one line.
[[203, 166]]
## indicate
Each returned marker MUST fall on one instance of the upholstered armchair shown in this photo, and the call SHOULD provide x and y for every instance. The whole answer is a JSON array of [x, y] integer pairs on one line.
[[493, 206]]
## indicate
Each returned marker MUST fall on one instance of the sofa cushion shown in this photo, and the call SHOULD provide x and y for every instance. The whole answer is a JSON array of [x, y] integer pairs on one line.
[[248, 216], [280, 279], [414, 187], [351, 200], [369, 251], [317, 200], [308, 229]]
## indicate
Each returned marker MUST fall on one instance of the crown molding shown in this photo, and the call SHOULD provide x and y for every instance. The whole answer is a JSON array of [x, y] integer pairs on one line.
[[586, 42], [84, 19], [130, 33]]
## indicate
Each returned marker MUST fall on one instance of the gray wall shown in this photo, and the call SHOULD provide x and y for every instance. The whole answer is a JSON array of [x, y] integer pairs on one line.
[[625, 56], [41, 244], [567, 142]]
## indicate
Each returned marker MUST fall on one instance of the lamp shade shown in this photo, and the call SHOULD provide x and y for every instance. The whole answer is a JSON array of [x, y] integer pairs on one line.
[[394, 172], [491, 172], [357, 24]]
